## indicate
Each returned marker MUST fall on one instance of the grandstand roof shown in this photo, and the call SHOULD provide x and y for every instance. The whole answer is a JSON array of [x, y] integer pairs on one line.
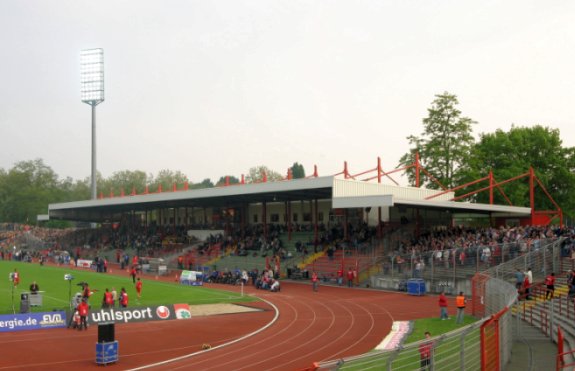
[[344, 193]]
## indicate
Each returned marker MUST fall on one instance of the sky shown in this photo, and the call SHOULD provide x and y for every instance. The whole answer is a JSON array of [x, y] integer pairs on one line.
[[213, 88]]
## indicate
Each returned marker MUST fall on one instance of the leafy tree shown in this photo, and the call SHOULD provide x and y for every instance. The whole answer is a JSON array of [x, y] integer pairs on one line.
[[125, 180], [297, 171], [231, 179], [444, 144], [26, 190], [75, 190], [256, 174], [167, 178], [206, 183], [509, 154]]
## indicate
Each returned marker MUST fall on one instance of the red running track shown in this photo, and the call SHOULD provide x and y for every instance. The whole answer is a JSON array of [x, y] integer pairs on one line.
[[332, 323]]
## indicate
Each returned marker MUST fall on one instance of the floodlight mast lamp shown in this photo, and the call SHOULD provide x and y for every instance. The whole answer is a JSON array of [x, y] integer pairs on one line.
[[92, 93]]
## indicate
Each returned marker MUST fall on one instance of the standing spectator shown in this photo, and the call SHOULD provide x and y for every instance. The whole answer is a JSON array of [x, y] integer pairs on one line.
[[527, 288], [83, 312], [314, 281], [340, 276], [15, 277], [86, 293], [107, 301], [443, 306], [550, 283], [527, 283], [114, 296], [139, 288], [350, 277], [460, 303], [133, 274], [529, 276], [123, 298], [425, 349], [519, 278]]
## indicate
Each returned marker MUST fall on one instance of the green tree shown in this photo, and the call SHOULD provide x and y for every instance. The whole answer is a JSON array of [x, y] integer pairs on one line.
[[125, 180], [206, 183], [509, 154], [297, 171], [444, 145], [256, 174], [232, 180], [26, 190], [167, 178]]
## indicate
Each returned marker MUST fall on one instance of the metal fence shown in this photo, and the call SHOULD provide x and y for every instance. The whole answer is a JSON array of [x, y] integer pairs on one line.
[[439, 267], [494, 293]]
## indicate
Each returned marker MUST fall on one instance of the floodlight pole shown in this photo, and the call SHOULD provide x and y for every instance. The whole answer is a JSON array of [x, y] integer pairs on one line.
[[93, 186]]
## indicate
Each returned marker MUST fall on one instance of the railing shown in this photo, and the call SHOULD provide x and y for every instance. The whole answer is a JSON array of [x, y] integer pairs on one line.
[[463, 349], [450, 265]]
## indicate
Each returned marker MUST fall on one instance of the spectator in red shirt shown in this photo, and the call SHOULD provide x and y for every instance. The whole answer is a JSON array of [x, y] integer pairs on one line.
[[133, 274], [425, 349], [443, 306], [139, 288], [123, 298], [108, 301], [83, 312], [16, 277], [550, 283], [314, 281], [350, 277]]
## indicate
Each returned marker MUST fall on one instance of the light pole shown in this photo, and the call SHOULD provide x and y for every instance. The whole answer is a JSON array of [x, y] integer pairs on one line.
[[92, 93]]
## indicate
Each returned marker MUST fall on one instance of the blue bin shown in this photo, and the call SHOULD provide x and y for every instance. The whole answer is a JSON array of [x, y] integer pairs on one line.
[[106, 353], [415, 286]]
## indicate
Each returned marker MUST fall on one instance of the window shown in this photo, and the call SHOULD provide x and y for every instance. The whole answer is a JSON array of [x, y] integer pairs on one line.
[[255, 218], [320, 216], [295, 217], [274, 218], [307, 217]]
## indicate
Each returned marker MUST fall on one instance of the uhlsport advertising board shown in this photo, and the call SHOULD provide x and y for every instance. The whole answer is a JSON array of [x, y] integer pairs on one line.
[[48, 320], [140, 314], [32, 321]]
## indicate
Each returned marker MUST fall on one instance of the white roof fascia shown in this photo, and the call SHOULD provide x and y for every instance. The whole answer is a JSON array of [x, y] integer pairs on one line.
[[350, 188], [513, 210], [362, 201], [232, 190]]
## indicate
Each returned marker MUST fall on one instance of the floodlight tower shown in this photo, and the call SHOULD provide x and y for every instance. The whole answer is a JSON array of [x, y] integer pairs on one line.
[[92, 93]]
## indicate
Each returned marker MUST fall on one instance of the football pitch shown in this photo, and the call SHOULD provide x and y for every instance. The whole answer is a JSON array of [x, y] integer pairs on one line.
[[57, 291]]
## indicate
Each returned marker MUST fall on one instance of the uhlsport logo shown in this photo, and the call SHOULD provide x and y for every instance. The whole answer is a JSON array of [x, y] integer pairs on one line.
[[138, 314], [163, 312]]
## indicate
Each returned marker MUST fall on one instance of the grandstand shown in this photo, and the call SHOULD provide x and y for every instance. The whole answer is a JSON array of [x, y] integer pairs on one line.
[[328, 224]]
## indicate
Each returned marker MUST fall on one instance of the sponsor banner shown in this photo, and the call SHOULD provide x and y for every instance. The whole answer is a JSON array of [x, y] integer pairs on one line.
[[192, 278], [32, 321], [138, 314], [182, 311], [83, 263]]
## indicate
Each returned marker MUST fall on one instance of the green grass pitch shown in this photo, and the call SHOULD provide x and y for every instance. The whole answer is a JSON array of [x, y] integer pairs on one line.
[[57, 290]]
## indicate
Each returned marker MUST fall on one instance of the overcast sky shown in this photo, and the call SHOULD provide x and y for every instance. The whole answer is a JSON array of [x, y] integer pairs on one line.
[[212, 88]]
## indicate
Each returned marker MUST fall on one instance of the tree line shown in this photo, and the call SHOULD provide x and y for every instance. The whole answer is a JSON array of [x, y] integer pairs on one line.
[[446, 148]]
